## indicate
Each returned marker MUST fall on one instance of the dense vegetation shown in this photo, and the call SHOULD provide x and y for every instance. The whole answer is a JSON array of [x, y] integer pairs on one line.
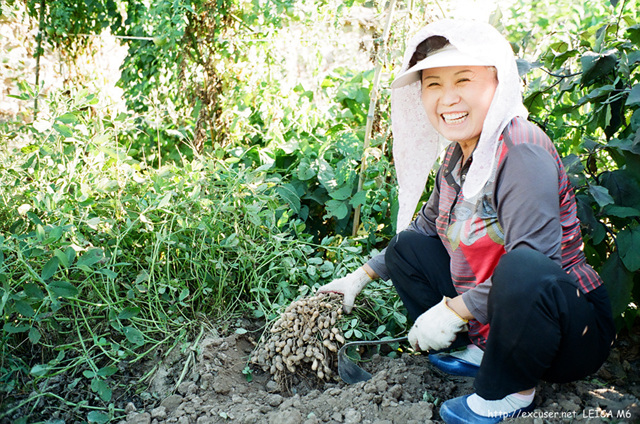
[[227, 189]]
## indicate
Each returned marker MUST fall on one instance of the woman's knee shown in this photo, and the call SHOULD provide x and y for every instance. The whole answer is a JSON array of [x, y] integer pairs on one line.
[[523, 272], [399, 248], [524, 266]]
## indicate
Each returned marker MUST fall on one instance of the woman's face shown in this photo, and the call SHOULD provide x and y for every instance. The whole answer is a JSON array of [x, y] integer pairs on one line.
[[457, 99]]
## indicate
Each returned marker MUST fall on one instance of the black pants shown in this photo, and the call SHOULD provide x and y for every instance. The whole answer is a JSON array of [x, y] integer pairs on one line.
[[542, 326]]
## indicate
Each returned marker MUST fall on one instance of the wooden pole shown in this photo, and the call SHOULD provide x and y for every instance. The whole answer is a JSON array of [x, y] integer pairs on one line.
[[371, 112], [38, 54]]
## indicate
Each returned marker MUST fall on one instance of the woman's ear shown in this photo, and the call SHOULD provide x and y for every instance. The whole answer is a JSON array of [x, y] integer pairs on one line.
[[494, 71]]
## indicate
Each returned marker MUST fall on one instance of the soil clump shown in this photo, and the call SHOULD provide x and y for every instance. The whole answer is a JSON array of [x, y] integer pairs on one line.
[[406, 389]]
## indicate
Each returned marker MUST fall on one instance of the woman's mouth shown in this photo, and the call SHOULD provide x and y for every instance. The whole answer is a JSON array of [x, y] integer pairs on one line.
[[455, 117]]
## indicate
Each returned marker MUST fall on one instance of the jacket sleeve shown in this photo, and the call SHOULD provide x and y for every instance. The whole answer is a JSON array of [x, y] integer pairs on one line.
[[424, 223], [528, 206]]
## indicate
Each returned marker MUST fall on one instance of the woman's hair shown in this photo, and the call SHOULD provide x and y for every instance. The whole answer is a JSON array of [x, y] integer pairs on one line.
[[427, 47]]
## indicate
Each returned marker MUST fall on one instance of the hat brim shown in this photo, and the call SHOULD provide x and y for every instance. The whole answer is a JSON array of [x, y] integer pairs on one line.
[[447, 56]]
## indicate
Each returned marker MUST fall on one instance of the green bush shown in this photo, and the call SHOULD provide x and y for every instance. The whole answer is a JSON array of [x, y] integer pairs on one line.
[[104, 259], [583, 89]]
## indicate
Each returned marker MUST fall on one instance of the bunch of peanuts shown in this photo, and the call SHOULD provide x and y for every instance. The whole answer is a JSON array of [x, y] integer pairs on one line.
[[305, 337]]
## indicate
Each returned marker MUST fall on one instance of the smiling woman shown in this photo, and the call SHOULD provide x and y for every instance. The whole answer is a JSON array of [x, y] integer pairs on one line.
[[456, 100], [496, 253]]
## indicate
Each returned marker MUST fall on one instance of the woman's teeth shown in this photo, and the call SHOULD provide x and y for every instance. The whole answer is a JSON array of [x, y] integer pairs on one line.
[[454, 118]]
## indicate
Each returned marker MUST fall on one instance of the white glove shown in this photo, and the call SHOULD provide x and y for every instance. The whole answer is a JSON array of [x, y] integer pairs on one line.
[[436, 328], [349, 286]]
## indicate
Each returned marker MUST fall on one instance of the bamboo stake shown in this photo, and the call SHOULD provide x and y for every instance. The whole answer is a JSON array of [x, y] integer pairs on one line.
[[371, 113], [38, 54]]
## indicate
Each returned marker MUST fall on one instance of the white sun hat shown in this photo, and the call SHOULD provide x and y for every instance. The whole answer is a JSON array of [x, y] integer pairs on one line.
[[416, 143], [446, 56]]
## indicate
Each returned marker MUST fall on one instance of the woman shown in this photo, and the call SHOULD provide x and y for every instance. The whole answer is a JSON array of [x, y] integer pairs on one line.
[[494, 259]]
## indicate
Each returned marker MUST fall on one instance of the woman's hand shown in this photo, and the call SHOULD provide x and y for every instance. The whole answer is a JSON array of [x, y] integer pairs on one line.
[[458, 306], [349, 286], [436, 328]]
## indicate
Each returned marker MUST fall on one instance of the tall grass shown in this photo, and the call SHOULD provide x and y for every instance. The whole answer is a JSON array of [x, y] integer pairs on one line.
[[104, 260]]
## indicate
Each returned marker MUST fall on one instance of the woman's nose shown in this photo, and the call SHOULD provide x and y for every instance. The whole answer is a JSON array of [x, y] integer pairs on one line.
[[450, 97]]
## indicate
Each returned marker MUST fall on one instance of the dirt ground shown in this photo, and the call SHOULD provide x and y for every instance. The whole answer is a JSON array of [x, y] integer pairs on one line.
[[406, 389]]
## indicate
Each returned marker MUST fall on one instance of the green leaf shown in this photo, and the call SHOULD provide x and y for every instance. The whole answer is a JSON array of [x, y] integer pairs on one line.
[[34, 335], [360, 198], [634, 96], [165, 200], [129, 312], [24, 308], [400, 319], [326, 174], [248, 372], [288, 193], [535, 102], [600, 195], [39, 370], [241, 331], [183, 294], [628, 144], [110, 274], [619, 282], [107, 371], [54, 235], [62, 258], [342, 193], [40, 232], [34, 218], [67, 118], [98, 417], [90, 257], [597, 94], [50, 268], [304, 171], [101, 388], [595, 65], [71, 255], [63, 289], [63, 130], [633, 34], [336, 208], [595, 228], [574, 169], [621, 211], [623, 187], [93, 223], [629, 248], [134, 335], [33, 291], [10, 328], [524, 66]]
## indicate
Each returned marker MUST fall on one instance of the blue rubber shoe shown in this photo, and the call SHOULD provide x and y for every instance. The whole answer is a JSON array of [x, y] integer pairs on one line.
[[457, 411], [452, 365]]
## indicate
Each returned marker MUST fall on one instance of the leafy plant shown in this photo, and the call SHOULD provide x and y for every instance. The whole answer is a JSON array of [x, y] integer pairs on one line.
[[583, 90], [104, 259]]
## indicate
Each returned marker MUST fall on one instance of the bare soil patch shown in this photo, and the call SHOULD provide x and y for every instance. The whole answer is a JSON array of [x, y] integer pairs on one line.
[[407, 389]]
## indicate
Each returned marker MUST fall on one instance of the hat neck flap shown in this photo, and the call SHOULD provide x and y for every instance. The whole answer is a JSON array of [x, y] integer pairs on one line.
[[417, 144]]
